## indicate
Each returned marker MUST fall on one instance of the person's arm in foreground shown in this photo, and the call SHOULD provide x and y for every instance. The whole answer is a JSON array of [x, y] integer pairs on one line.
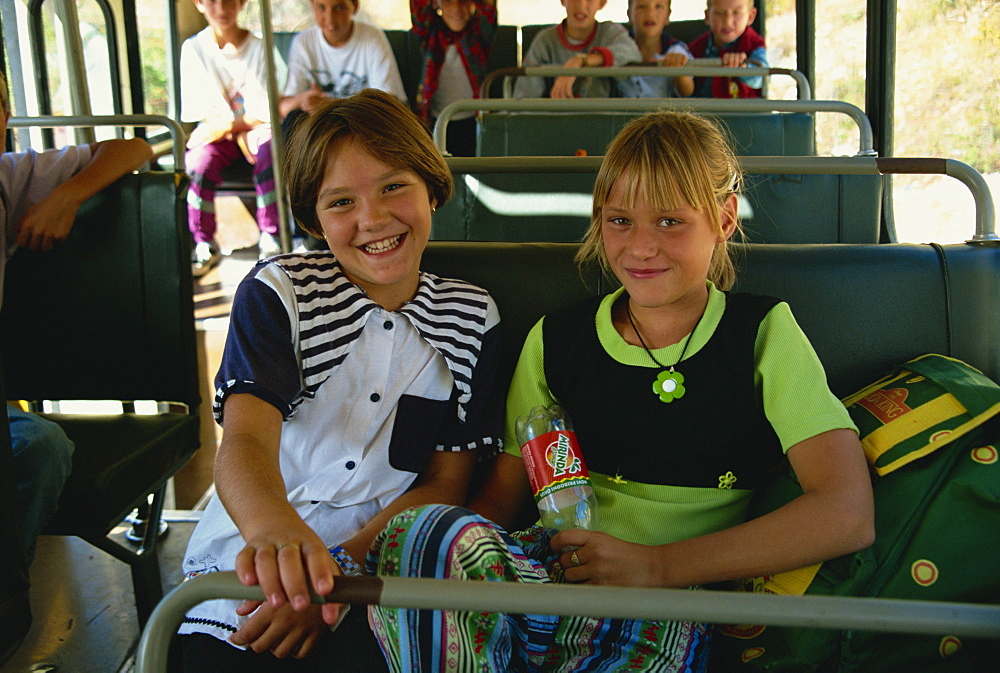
[[51, 219], [253, 491]]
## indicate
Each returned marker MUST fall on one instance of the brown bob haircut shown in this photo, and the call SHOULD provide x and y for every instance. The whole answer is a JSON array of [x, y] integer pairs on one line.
[[670, 158], [386, 128]]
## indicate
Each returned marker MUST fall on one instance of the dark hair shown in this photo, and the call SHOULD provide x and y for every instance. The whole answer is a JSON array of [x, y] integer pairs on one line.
[[385, 128]]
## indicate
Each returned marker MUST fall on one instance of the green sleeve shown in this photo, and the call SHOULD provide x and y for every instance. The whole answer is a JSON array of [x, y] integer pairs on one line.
[[528, 386], [792, 382]]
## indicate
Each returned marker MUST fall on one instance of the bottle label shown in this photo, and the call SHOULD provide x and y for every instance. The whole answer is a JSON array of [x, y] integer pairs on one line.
[[554, 463]]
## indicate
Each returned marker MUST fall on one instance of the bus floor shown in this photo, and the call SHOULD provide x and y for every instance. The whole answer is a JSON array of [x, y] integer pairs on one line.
[[82, 604]]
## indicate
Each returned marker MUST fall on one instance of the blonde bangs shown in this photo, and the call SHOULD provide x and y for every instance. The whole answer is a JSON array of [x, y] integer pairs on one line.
[[668, 159]]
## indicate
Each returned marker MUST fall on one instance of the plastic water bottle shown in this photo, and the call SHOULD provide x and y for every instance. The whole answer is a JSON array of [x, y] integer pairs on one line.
[[558, 476]]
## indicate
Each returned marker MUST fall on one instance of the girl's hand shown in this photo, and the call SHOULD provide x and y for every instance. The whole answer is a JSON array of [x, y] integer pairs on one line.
[[598, 558], [282, 631], [285, 562]]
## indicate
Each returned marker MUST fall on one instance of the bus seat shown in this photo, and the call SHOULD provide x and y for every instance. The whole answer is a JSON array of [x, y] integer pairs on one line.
[[865, 308], [528, 34], [108, 315], [556, 207], [505, 54], [687, 30], [503, 133], [812, 208], [283, 43], [510, 207]]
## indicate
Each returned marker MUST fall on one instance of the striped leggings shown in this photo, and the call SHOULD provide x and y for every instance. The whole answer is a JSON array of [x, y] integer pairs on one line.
[[205, 164], [454, 543]]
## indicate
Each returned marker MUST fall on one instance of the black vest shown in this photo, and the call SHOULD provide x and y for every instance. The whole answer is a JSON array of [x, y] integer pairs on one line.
[[717, 427]]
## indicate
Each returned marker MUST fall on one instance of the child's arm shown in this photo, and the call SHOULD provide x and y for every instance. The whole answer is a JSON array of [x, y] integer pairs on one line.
[[280, 548], [834, 516], [676, 57], [301, 90], [620, 49], [305, 101], [738, 59], [51, 219], [505, 493]]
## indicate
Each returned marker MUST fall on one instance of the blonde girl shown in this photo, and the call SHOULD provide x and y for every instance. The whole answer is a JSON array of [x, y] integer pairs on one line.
[[684, 396]]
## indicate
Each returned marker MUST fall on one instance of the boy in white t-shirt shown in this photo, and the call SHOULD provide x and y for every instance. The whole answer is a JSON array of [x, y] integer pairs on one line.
[[338, 57], [224, 90]]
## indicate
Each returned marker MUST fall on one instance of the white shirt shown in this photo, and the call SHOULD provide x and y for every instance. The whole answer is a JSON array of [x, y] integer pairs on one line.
[[366, 395], [219, 82], [453, 84], [364, 61]]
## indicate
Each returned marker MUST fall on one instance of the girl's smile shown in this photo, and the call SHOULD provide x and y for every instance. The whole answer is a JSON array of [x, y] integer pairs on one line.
[[383, 246]]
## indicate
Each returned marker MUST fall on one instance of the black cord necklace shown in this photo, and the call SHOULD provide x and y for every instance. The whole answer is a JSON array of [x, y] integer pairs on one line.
[[669, 384]]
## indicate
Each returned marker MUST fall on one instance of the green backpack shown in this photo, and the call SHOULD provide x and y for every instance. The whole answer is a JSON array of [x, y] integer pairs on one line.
[[931, 432]]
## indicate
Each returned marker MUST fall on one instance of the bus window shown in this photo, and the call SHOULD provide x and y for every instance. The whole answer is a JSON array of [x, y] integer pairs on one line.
[[151, 25], [64, 30], [840, 71], [946, 92]]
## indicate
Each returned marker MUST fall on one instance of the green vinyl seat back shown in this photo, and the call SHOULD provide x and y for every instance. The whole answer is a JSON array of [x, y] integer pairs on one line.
[[865, 308], [505, 133], [108, 315], [778, 208], [512, 207], [797, 208]]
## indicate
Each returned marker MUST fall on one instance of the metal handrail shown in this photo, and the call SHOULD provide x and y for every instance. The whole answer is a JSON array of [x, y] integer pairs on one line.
[[970, 177], [172, 125], [831, 612], [708, 67], [714, 105], [277, 139]]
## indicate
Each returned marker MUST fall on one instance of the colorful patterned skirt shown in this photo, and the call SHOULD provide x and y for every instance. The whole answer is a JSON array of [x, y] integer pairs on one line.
[[454, 543]]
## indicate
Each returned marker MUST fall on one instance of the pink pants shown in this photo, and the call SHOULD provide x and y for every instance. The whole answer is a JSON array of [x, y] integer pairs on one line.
[[205, 164]]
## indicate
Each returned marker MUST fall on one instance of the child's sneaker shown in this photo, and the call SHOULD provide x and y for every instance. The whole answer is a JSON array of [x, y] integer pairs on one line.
[[204, 256]]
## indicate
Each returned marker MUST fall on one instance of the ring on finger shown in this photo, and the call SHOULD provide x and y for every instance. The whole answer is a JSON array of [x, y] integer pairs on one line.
[[282, 545], [574, 559]]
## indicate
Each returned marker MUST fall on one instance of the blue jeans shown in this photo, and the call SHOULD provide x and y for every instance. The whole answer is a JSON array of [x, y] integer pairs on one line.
[[43, 457]]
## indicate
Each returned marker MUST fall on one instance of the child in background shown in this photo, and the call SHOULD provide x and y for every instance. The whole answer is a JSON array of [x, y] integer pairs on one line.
[[352, 387], [40, 193], [648, 21], [336, 58], [580, 41], [674, 456], [733, 40], [456, 37], [224, 90]]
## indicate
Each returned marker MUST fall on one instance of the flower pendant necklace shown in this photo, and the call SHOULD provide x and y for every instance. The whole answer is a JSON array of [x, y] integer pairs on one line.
[[669, 384]]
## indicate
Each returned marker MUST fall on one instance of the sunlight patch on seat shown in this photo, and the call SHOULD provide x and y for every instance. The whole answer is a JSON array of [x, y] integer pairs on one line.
[[529, 203]]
